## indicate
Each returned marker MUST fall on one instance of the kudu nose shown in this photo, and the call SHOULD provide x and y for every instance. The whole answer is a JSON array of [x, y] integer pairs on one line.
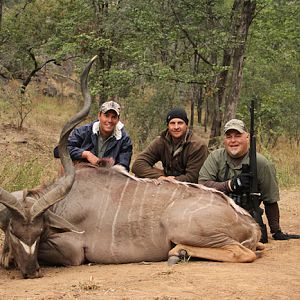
[[36, 274]]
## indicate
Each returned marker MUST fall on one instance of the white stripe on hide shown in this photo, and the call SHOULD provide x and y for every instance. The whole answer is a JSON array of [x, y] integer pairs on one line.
[[113, 242]]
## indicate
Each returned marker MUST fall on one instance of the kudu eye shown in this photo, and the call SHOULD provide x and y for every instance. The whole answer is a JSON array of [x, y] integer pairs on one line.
[[13, 236]]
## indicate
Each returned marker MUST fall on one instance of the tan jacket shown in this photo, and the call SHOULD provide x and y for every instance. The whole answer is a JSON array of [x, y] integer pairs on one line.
[[183, 162]]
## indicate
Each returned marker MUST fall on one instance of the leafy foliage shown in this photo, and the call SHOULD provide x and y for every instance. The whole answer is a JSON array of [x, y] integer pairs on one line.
[[175, 49], [147, 114], [272, 71]]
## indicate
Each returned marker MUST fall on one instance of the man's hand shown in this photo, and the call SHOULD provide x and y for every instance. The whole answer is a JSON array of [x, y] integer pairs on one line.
[[93, 159], [240, 183], [90, 157], [167, 178], [106, 162]]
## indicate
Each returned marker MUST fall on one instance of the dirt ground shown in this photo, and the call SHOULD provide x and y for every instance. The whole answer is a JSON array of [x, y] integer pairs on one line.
[[275, 275]]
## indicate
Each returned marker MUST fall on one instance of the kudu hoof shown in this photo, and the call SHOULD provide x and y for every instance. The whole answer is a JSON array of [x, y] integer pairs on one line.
[[173, 260], [260, 246], [183, 254]]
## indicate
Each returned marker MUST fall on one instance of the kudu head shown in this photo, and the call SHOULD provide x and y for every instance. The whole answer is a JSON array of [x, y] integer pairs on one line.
[[23, 218]]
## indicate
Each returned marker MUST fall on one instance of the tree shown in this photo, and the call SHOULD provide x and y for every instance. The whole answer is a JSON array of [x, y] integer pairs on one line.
[[228, 81], [272, 71], [26, 31], [244, 12], [184, 52], [1, 12]]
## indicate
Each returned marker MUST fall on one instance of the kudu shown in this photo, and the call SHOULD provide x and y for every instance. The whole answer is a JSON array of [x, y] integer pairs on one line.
[[123, 219], [25, 219]]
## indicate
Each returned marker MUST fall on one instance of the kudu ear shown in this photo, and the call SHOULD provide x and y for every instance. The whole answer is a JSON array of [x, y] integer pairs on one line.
[[4, 217], [60, 223], [11, 202]]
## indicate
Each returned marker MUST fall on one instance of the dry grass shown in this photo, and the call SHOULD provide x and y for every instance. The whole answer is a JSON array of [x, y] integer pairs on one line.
[[27, 156], [286, 158], [89, 285], [27, 159]]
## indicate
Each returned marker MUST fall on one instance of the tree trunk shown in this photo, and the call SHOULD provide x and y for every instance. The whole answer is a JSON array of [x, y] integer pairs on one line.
[[242, 13], [219, 84], [219, 98], [217, 116], [192, 109], [105, 60], [1, 13], [199, 104], [244, 20], [207, 115], [101, 68], [196, 61]]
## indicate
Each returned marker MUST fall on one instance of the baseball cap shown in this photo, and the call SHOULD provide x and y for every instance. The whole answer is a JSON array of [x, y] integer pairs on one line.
[[235, 124], [110, 105]]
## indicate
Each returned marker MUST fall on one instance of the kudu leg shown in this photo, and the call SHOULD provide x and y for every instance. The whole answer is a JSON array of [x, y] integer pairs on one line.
[[62, 249], [228, 253], [6, 259]]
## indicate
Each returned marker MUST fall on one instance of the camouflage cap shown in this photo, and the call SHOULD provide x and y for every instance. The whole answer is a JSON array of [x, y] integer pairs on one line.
[[235, 124], [110, 105]]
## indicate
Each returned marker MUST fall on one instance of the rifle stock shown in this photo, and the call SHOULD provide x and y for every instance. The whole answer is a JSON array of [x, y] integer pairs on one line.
[[254, 194]]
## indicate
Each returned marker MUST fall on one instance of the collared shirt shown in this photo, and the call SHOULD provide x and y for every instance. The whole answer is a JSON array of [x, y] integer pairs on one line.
[[102, 144], [117, 131], [220, 167]]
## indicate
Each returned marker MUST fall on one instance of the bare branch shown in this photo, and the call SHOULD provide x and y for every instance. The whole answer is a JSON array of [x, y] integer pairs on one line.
[[38, 68], [195, 46], [23, 8]]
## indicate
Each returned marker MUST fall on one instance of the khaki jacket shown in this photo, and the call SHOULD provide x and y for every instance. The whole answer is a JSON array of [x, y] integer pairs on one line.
[[183, 162]]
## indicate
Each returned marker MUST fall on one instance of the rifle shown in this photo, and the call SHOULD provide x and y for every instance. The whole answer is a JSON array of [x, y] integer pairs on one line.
[[254, 194]]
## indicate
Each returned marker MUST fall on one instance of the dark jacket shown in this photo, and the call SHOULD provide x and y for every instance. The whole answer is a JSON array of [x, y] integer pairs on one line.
[[85, 138], [184, 163]]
